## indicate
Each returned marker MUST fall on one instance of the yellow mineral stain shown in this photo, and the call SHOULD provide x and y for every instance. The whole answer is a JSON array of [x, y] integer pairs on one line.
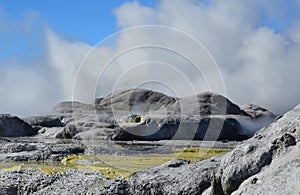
[[113, 166]]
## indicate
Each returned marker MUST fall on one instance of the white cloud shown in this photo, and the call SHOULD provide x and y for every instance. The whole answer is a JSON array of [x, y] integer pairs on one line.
[[27, 90], [258, 65]]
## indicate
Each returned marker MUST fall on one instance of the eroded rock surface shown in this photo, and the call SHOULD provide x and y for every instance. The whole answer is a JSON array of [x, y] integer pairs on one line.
[[32, 181], [175, 177]]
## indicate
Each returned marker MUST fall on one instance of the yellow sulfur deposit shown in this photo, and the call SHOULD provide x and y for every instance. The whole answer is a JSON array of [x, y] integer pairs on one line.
[[118, 165]]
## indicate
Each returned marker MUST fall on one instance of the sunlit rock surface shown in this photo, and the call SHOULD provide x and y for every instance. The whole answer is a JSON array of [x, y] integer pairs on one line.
[[266, 163], [141, 142]]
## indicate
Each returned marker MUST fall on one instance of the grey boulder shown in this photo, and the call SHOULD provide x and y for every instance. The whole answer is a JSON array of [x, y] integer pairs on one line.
[[174, 177], [268, 162], [12, 126]]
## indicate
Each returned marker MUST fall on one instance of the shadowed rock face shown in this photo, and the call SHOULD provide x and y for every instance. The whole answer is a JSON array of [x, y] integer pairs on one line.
[[209, 129], [12, 126]]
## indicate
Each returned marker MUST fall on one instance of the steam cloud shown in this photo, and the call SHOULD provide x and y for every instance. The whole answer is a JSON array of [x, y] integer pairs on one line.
[[258, 64]]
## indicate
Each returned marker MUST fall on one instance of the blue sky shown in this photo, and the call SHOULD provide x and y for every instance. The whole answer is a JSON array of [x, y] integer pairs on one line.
[[87, 21]]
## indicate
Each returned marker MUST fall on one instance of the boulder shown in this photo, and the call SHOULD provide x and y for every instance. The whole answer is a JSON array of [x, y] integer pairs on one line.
[[174, 177], [282, 176], [12, 126], [267, 162]]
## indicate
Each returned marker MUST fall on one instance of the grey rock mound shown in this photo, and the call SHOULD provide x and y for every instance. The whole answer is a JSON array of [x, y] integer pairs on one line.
[[145, 101], [216, 104], [272, 155], [175, 177], [12, 126], [137, 100], [140, 114]]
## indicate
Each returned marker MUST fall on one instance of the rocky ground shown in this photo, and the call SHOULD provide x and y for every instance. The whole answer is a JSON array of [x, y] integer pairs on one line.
[[267, 163]]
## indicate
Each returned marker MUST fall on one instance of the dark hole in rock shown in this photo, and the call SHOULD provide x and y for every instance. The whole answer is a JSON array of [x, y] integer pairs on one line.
[[288, 140], [254, 180], [136, 118]]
